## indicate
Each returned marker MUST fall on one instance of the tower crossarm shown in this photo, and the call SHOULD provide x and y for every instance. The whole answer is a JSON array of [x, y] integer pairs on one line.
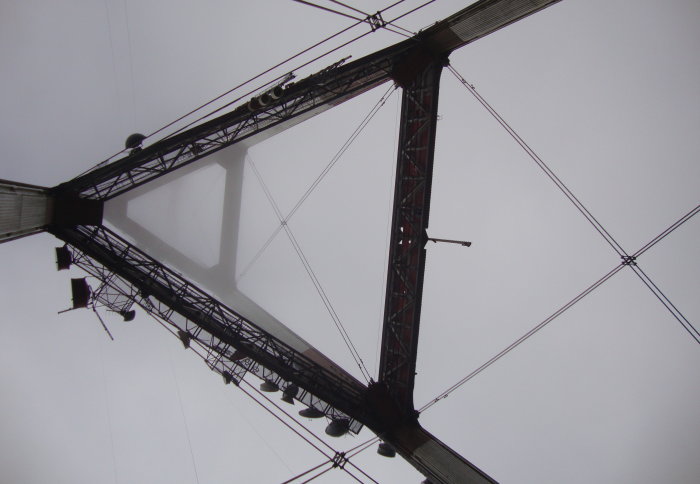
[[285, 106], [233, 345]]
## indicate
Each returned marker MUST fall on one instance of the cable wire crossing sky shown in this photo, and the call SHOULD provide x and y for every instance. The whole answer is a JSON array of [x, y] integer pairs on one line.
[[603, 94]]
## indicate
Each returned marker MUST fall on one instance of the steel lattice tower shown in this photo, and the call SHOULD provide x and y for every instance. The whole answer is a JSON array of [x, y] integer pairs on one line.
[[234, 344]]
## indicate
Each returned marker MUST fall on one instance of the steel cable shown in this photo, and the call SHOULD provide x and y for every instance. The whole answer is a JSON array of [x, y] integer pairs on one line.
[[304, 2], [308, 49], [687, 325], [296, 431], [627, 259], [559, 312], [542, 165], [314, 279], [347, 454], [278, 78], [363, 124], [307, 472]]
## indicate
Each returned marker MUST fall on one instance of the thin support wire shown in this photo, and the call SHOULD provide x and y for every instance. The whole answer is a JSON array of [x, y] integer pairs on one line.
[[284, 224], [304, 2], [307, 471], [348, 454], [336, 453], [349, 7], [314, 279], [184, 418], [687, 325], [318, 475], [523, 338], [561, 310], [318, 179], [308, 49], [626, 258], [542, 165], [278, 78]]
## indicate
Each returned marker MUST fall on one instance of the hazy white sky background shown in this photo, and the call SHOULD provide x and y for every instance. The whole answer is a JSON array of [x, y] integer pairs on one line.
[[607, 92]]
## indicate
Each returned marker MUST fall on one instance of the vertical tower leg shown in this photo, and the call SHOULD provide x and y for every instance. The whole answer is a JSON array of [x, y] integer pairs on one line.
[[414, 173]]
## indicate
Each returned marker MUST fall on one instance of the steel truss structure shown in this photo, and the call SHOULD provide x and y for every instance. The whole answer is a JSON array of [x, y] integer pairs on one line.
[[404, 286], [279, 107], [282, 108], [234, 345]]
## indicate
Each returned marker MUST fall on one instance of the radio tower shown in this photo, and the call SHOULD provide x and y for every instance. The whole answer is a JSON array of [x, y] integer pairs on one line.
[[232, 343]]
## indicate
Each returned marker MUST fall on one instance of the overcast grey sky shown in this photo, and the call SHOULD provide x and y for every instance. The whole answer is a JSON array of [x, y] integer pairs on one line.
[[606, 92]]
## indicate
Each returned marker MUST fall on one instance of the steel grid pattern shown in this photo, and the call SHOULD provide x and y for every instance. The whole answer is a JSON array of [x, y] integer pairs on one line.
[[233, 346], [298, 101], [404, 291]]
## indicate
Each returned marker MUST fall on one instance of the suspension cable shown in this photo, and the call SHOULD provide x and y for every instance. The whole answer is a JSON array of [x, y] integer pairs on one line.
[[348, 454], [339, 459], [336, 453], [687, 325], [349, 7], [284, 224], [314, 279], [284, 423], [627, 259], [561, 310], [328, 9], [524, 337], [542, 165], [363, 124], [317, 475], [361, 447], [290, 417], [308, 49], [238, 86], [375, 21], [228, 104], [270, 69], [666, 232], [409, 12]]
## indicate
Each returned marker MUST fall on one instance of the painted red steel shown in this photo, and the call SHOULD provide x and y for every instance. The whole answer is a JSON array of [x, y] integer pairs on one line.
[[410, 220]]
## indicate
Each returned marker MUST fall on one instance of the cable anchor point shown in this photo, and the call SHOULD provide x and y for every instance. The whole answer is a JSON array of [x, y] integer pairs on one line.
[[376, 21], [339, 460], [629, 260]]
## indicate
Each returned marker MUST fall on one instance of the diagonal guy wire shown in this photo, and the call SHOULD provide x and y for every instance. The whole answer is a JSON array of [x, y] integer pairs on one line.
[[627, 259]]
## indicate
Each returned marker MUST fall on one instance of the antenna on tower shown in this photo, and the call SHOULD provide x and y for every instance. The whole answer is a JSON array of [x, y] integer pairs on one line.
[[450, 241], [83, 296]]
